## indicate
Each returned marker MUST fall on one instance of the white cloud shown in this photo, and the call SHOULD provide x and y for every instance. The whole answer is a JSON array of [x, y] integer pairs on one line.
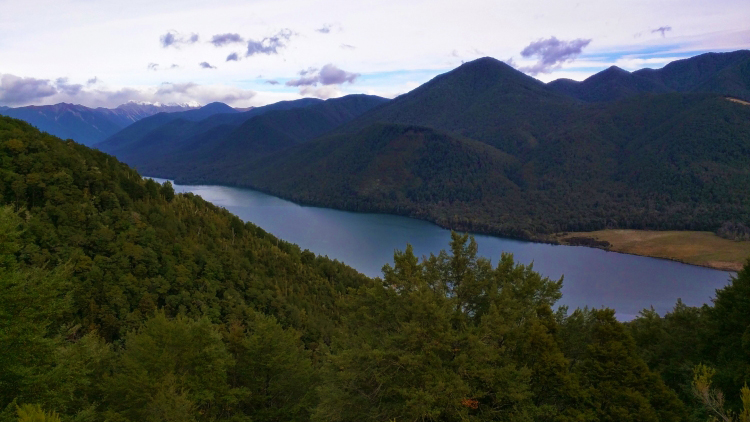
[[419, 36]]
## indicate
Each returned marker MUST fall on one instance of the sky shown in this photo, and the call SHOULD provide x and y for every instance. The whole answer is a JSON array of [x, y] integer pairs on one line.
[[102, 53]]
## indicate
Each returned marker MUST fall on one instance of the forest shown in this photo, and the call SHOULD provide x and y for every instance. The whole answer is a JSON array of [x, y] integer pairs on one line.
[[123, 301]]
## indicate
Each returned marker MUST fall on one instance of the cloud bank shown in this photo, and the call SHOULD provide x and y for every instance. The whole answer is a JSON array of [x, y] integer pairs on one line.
[[551, 53], [17, 91]]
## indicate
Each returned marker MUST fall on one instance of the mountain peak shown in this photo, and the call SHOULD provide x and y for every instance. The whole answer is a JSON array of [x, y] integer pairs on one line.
[[487, 65]]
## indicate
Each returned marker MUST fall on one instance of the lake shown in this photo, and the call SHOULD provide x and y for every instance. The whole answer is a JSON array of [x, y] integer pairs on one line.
[[592, 277]]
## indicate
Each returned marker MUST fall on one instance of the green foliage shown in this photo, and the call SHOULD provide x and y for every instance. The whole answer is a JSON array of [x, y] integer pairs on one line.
[[122, 301], [616, 377], [273, 369], [34, 413], [176, 367], [451, 338]]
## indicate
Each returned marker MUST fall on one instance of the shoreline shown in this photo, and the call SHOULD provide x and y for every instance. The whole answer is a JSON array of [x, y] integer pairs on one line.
[[730, 266]]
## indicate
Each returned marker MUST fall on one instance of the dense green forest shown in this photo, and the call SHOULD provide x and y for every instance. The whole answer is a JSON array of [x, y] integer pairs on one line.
[[122, 301]]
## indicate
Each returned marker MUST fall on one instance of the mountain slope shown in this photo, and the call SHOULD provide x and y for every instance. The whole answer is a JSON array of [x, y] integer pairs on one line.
[[608, 85], [719, 73], [83, 124], [160, 132], [198, 148], [485, 100]]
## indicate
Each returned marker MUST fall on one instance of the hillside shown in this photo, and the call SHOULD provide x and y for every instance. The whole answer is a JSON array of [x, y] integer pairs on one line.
[[725, 74], [485, 100], [177, 146], [168, 132], [83, 124], [120, 300]]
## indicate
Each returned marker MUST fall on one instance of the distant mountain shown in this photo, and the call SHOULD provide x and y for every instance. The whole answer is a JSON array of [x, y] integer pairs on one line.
[[172, 143], [87, 125], [719, 73], [167, 132]]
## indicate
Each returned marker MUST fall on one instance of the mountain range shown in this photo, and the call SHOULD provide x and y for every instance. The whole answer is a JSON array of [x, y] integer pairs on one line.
[[487, 148], [88, 125]]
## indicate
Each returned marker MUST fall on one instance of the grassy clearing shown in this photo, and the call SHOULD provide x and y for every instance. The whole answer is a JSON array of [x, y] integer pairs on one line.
[[735, 100], [697, 248]]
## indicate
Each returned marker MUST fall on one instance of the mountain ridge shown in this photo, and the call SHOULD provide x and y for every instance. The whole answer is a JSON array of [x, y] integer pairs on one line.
[[84, 124]]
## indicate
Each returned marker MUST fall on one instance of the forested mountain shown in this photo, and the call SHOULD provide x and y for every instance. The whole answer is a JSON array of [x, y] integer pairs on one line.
[[173, 129], [652, 161], [122, 301], [718, 73], [165, 143], [87, 125]]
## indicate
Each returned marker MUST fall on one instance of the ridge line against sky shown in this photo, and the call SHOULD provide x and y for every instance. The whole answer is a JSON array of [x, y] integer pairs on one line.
[[251, 53]]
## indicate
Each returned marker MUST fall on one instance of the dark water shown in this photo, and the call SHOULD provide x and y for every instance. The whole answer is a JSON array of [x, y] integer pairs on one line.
[[593, 277]]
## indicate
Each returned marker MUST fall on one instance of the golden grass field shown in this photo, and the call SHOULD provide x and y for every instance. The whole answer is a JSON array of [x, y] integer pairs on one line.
[[735, 100], [697, 248]]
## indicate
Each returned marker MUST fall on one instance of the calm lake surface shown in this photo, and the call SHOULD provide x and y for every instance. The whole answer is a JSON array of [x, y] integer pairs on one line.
[[592, 277]]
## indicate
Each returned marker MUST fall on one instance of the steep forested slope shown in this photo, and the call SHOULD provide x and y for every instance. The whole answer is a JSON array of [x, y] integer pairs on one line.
[[133, 246], [122, 301]]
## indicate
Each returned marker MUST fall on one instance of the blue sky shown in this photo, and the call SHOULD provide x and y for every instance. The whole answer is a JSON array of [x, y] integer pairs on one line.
[[102, 53]]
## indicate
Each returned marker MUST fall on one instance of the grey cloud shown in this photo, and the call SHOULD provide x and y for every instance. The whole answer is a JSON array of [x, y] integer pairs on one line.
[[325, 29], [206, 65], [16, 90], [552, 53], [64, 87], [167, 39], [328, 75], [272, 82], [304, 81], [308, 70], [225, 39], [269, 45], [174, 39], [663, 30], [92, 81], [174, 66], [153, 66], [347, 47], [233, 57]]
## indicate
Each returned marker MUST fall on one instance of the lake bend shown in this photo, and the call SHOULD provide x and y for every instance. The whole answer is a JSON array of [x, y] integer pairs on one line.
[[366, 242]]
